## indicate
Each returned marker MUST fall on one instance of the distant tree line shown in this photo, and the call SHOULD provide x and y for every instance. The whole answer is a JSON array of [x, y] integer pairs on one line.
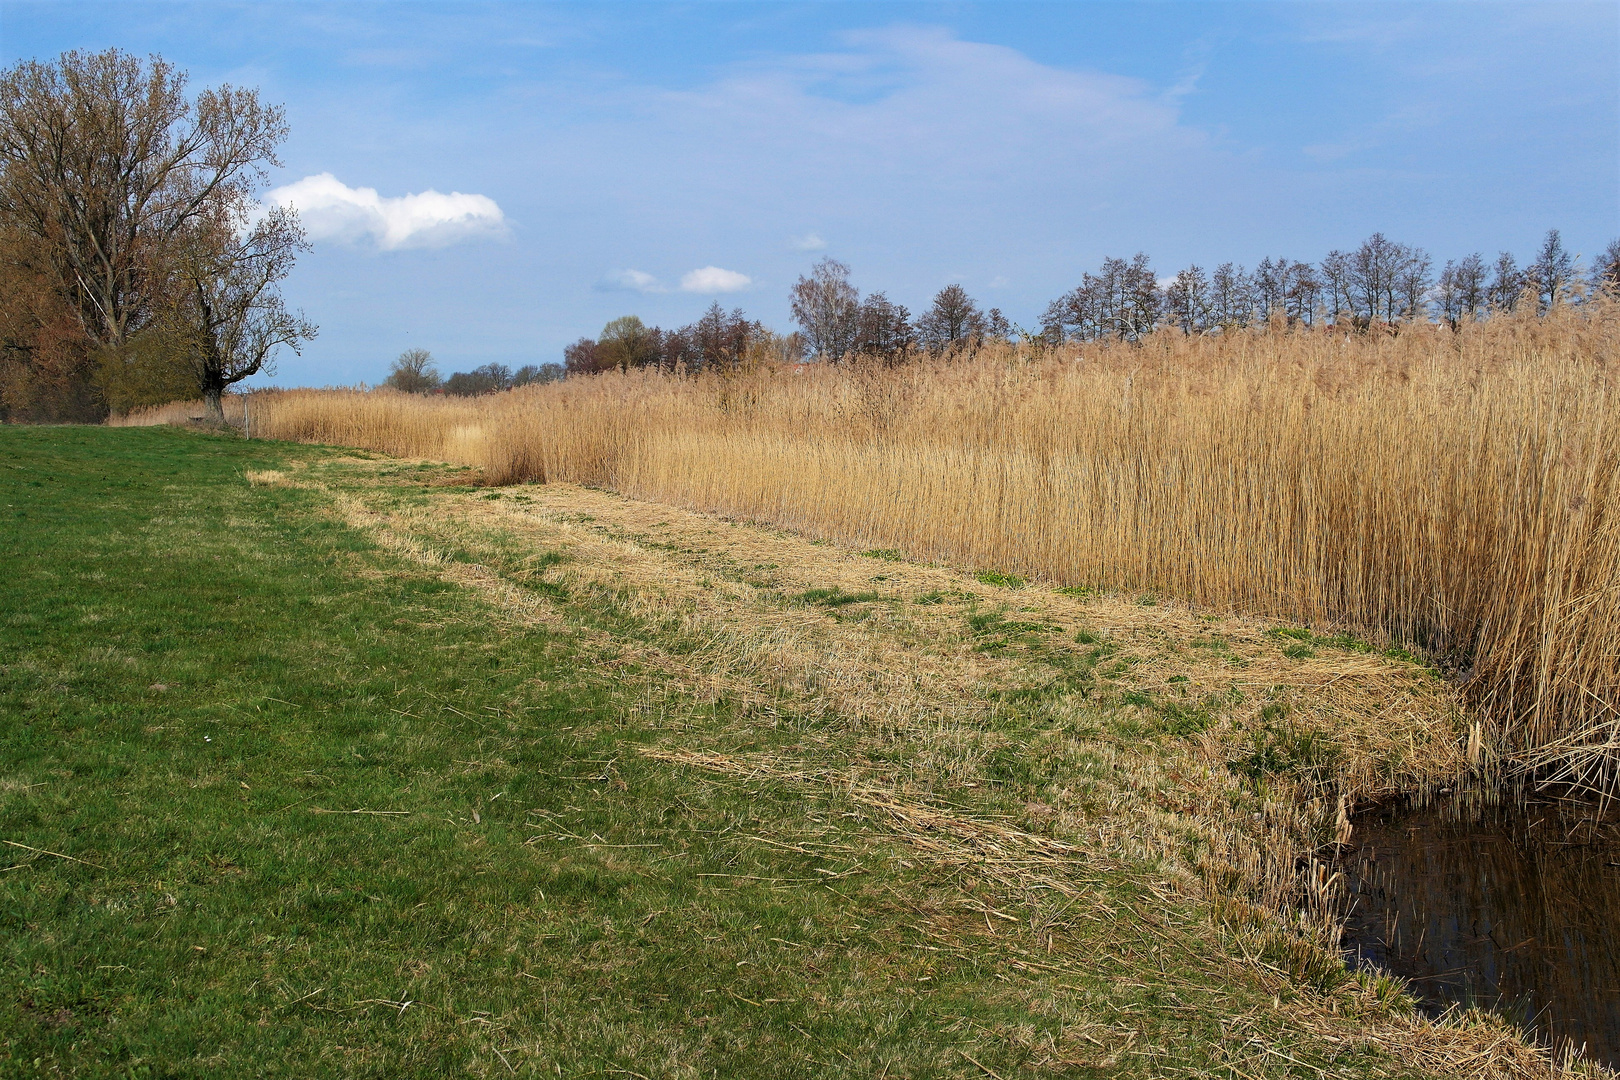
[[833, 320], [1381, 282], [719, 341], [415, 372], [137, 265]]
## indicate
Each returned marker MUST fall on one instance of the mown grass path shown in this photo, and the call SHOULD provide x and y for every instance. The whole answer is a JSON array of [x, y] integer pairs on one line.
[[312, 765]]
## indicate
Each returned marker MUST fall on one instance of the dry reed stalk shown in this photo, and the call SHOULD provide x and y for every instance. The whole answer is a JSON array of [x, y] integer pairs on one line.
[[1454, 491]]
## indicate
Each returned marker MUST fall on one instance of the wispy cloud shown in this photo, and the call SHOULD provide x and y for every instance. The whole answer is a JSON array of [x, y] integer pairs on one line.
[[705, 279], [712, 279], [629, 281], [332, 210], [809, 242]]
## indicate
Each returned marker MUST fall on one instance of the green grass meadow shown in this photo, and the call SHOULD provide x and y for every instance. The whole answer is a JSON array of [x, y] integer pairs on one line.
[[276, 802]]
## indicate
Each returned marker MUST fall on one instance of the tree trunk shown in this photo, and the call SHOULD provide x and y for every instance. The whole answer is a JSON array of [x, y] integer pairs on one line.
[[216, 408]]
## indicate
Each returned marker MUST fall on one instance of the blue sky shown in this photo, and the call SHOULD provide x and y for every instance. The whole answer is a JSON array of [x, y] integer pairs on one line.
[[647, 159]]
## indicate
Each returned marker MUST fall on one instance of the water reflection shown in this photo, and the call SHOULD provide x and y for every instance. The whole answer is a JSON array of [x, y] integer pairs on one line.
[[1515, 908]]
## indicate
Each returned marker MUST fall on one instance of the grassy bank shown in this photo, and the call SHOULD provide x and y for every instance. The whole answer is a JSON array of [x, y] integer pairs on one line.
[[1451, 492], [319, 764]]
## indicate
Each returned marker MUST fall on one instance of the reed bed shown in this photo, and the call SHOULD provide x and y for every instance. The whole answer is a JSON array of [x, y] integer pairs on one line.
[[1449, 491], [181, 412]]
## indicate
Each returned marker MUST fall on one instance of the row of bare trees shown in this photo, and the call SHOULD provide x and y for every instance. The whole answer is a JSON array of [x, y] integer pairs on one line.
[[1381, 282], [137, 264], [415, 372], [835, 322]]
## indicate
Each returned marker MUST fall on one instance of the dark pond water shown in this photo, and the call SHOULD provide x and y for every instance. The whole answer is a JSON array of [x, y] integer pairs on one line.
[[1510, 907]]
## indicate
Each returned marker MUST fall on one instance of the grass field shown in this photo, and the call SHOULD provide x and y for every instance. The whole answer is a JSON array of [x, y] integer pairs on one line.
[[316, 763]]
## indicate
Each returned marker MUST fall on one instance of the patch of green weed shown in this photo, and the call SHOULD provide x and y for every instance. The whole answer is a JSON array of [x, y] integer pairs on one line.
[[1183, 720], [836, 597], [889, 554]]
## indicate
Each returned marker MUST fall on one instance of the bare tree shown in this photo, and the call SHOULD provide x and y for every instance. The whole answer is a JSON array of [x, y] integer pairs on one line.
[[414, 372], [1336, 274], [827, 308], [1302, 291], [1461, 294], [1470, 281], [1231, 297], [676, 351], [1074, 315], [1413, 278], [1507, 284], [1187, 300], [997, 326], [1121, 300], [108, 166], [537, 374], [48, 369], [225, 310], [485, 379], [721, 341], [1270, 283], [1388, 282], [1552, 273], [1373, 269], [884, 329], [1606, 271], [1141, 300], [953, 321], [583, 357]]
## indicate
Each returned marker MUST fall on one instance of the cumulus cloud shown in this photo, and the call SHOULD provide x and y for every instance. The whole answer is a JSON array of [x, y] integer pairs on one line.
[[630, 281], [332, 210], [712, 279], [808, 242]]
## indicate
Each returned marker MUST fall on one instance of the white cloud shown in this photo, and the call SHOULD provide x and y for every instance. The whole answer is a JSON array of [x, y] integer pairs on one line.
[[332, 210], [630, 281], [712, 279], [809, 242]]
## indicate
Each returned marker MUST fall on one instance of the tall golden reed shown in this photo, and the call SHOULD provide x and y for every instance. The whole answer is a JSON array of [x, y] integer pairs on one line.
[[1454, 490]]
